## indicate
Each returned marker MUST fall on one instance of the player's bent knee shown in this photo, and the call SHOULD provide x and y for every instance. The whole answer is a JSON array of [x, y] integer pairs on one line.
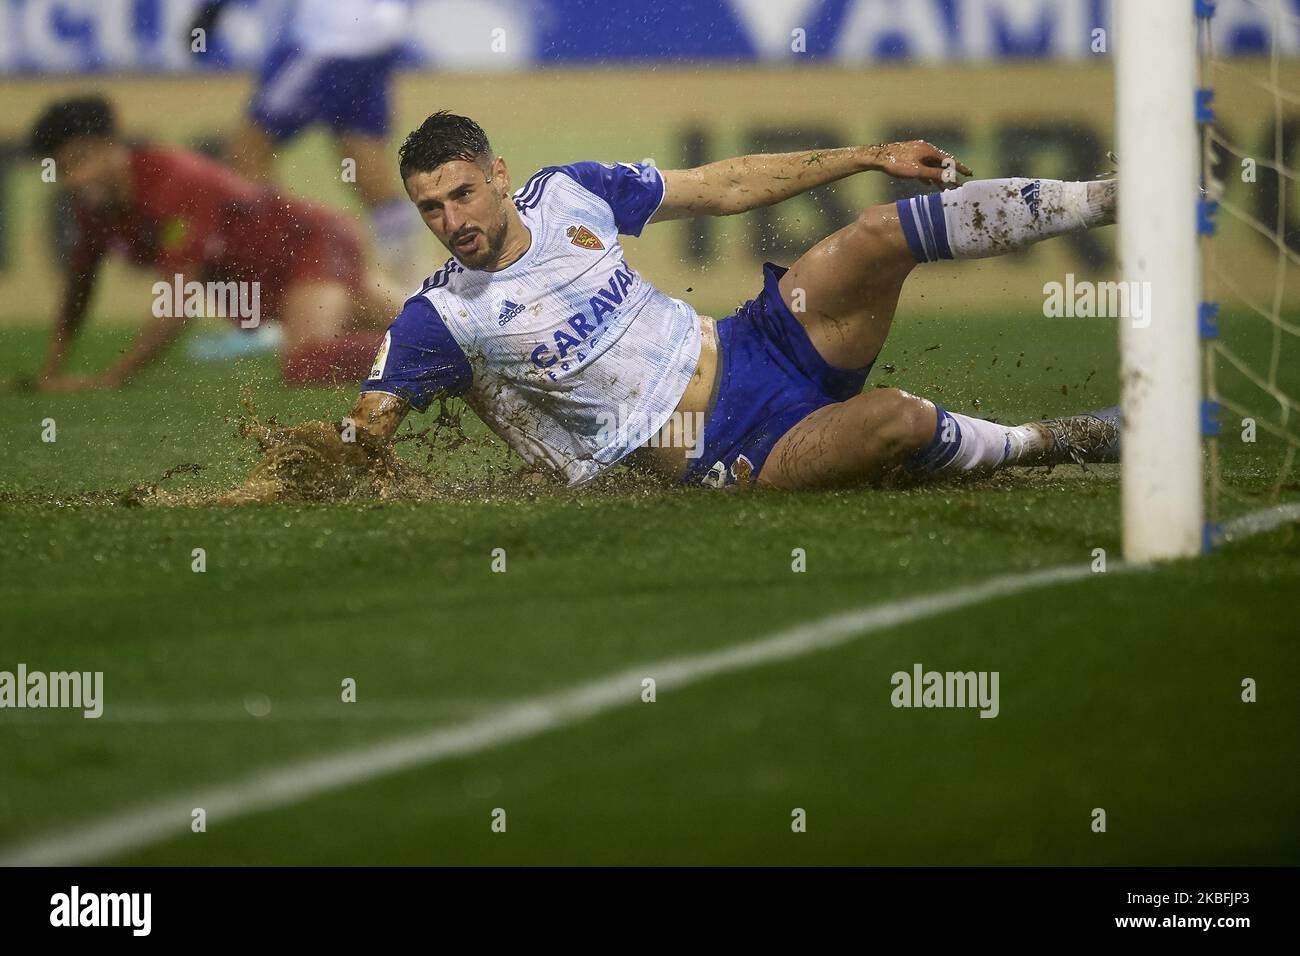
[[877, 228], [902, 424]]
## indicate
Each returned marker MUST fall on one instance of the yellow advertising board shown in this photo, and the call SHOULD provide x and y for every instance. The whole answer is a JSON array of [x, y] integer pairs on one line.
[[1037, 119]]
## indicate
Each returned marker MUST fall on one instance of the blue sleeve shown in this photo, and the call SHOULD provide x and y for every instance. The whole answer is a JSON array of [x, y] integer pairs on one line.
[[633, 190], [419, 359]]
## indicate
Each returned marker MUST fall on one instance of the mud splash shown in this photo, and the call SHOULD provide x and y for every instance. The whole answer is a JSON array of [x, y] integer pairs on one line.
[[313, 462], [319, 461]]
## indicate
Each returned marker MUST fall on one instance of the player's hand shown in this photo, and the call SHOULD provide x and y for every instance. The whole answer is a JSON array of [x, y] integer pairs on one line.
[[917, 159]]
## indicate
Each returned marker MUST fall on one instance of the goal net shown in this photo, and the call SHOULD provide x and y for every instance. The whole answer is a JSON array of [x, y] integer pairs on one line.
[[1250, 225]]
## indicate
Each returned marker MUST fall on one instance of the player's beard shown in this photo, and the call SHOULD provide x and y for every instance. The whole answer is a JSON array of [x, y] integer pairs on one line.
[[494, 242]]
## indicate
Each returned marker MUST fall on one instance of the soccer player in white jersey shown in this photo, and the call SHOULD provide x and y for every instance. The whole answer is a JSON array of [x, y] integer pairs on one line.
[[331, 64], [543, 327]]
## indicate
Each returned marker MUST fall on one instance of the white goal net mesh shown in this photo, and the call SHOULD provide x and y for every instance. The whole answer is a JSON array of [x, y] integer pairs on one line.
[[1250, 321]]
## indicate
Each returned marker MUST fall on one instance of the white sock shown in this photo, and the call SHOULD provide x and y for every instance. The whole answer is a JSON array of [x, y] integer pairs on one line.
[[991, 217], [962, 444]]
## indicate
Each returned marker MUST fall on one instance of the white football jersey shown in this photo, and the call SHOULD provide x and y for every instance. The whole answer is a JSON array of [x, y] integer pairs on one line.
[[568, 354]]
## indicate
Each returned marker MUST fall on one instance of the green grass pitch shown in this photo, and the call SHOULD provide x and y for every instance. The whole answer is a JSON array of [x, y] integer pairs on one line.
[[1120, 691]]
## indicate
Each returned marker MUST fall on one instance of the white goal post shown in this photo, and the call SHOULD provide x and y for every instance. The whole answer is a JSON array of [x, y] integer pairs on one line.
[[1159, 153]]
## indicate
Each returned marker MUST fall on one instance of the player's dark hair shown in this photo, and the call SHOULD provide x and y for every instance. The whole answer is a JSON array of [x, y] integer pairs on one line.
[[67, 119], [442, 138]]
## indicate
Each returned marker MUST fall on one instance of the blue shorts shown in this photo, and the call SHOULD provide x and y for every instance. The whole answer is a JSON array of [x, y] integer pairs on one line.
[[770, 378], [296, 90]]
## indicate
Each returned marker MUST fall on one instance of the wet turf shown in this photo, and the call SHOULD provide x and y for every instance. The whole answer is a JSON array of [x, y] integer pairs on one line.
[[1119, 691]]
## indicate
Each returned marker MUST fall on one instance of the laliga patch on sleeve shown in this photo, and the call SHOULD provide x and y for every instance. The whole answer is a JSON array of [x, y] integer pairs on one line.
[[381, 360]]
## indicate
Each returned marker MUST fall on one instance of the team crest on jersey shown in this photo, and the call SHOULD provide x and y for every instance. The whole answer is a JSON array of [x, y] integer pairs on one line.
[[381, 360], [742, 469], [584, 238]]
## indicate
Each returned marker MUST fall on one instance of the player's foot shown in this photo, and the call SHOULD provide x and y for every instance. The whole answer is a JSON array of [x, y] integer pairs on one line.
[[235, 343], [1113, 171], [1083, 439], [1103, 193]]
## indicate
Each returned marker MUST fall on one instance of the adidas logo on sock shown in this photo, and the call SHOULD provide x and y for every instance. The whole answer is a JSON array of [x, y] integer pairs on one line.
[[1030, 195], [508, 311]]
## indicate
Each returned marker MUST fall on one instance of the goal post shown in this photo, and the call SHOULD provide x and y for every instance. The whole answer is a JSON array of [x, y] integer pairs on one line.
[[1158, 146]]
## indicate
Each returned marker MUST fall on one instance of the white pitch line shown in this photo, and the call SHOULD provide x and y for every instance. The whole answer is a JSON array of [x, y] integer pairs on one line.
[[1258, 522], [369, 708], [154, 823], [157, 822]]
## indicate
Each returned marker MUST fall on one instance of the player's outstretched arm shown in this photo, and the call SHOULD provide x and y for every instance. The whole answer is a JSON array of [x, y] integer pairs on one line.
[[737, 185], [77, 290]]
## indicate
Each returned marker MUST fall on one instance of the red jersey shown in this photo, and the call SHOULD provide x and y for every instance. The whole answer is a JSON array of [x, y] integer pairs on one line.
[[190, 215]]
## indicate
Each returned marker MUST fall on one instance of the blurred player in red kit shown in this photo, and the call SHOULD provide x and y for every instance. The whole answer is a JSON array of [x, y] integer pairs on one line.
[[184, 215]]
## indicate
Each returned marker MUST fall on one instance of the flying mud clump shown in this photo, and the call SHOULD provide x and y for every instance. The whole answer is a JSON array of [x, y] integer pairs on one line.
[[311, 461]]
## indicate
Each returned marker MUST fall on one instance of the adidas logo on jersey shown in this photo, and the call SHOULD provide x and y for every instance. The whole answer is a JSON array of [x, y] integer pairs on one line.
[[584, 238], [508, 311]]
